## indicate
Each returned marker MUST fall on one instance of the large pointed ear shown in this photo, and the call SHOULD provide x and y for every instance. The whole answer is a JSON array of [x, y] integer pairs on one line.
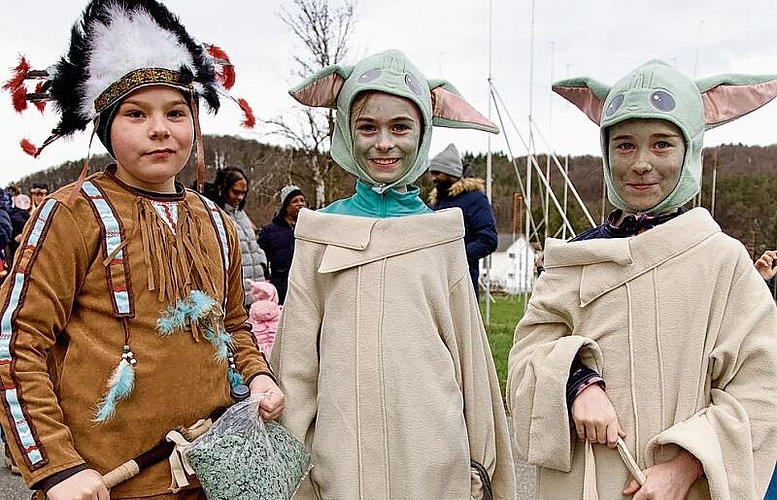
[[450, 110], [585, 93], [727, 97], [321, 90]]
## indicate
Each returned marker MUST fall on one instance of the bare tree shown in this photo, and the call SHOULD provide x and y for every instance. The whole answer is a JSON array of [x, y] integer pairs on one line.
[[324, 30]]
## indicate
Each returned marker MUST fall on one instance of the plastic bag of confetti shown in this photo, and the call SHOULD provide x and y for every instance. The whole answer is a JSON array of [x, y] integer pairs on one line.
[[241, 456]]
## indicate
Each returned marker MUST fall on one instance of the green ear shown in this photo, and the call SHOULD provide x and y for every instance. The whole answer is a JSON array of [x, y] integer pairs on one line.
[[450, 110], [321, 90], [727, 97], [585, 93]]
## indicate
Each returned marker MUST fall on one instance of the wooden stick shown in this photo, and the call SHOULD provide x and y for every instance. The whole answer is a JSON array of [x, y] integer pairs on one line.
[[162, 450]]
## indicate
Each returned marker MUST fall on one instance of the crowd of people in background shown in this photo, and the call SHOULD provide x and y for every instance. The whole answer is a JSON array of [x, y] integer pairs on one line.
[[15, 210]]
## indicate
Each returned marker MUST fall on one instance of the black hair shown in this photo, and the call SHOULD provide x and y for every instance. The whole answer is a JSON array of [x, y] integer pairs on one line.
[[225, 179]]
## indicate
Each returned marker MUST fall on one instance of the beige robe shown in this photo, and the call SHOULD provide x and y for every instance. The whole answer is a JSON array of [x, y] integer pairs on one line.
[[684, 332], [385, 363]]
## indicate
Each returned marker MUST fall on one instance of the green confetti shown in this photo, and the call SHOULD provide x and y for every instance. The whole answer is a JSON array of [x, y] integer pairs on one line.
[[250, 462]]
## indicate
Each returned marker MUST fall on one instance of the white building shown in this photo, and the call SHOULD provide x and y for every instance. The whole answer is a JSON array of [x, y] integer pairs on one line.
[[512, 266]]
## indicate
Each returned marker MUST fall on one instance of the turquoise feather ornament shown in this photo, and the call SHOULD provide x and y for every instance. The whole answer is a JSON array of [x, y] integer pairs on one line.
[[201, 302], [120, 385], [201, 314], [235, 378]]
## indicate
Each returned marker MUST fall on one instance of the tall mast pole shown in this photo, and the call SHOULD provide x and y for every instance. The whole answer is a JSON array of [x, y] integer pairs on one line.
[[487, 261], [529, 266]]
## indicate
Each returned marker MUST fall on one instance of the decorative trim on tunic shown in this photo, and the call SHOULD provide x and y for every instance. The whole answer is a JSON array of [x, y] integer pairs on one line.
[[117, 270], [23, 431]]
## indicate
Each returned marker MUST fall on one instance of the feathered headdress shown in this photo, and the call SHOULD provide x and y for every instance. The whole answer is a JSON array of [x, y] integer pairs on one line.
[[117, 47]]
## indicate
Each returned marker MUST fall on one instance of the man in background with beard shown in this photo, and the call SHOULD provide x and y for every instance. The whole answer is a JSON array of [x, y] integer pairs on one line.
[[454, 189]]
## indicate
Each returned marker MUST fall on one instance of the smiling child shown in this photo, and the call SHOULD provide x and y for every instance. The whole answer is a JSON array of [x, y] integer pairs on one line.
[[381, 350], [651, 332]]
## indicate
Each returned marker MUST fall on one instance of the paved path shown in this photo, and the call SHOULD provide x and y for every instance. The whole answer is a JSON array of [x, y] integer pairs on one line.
[[524, 474], [11, 486]]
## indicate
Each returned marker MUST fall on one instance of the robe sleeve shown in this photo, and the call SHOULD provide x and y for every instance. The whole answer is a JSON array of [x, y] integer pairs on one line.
[[735, 435], [484, 413], [543, 351]]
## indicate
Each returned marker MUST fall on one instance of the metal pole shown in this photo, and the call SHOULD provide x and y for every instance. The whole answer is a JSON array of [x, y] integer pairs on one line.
[[530, 153], [566, 192], [487, 263], [546, 206], [714, 182]]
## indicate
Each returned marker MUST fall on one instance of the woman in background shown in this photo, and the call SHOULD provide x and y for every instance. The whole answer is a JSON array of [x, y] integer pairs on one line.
[[229, 190]]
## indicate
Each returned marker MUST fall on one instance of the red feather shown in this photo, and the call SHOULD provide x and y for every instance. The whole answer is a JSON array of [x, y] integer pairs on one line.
[[250, 119], [217, 52], [226, 72], [227, 76], [19, 98], [29, 148], [19, 74], [41, 105]]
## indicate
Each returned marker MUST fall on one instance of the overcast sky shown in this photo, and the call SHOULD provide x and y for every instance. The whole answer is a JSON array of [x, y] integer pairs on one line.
[[450, 39]]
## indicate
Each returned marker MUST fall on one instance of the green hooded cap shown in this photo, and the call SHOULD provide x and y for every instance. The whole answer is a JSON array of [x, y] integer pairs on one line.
[[393, 73], [390, 72], [656, 90]]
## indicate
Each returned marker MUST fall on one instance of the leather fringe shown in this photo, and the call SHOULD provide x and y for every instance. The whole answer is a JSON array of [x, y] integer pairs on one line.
[[176, 263]]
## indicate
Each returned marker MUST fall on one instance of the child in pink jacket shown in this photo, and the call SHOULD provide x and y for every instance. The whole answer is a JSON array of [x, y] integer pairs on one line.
[[264, 314]]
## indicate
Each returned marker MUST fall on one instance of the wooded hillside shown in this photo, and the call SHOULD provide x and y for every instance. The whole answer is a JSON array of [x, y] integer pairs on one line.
[[745, 204]]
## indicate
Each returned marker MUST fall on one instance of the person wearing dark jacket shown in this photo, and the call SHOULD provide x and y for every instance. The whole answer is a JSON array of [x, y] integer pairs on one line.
[[453, 189], [277, 238], [5, 232], [19, 214]]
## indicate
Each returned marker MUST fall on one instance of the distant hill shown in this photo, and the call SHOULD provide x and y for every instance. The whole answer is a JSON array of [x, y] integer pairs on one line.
[[745, 201], [268, 167]]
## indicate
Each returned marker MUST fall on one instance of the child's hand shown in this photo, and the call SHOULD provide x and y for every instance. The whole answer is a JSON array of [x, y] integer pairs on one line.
[[670, 480], [765, 264], [595, 418], [86, 485], [273, 401]]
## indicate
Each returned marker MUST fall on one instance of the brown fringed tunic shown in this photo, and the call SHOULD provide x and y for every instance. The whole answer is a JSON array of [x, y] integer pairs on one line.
[[60, 339]]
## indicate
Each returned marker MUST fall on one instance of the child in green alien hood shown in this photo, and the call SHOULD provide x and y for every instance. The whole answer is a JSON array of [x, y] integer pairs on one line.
[[381, 350], [651, 333]]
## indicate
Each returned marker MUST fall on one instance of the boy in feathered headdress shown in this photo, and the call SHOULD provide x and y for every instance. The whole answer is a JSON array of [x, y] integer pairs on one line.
[[123, 316], [651, 333]]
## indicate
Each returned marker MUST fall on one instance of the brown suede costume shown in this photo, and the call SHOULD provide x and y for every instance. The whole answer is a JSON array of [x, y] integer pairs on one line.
[[60, 341]]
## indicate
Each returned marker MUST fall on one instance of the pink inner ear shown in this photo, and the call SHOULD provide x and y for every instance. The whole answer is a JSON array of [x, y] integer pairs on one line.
[[446, 104], [321, 93], [726, 102], [583, 98]]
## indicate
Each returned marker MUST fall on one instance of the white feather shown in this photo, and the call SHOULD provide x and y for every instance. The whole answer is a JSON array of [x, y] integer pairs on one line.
[[133, 40]]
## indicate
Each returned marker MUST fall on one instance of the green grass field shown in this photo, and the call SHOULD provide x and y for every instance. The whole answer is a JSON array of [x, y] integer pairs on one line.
[[505, 313]]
